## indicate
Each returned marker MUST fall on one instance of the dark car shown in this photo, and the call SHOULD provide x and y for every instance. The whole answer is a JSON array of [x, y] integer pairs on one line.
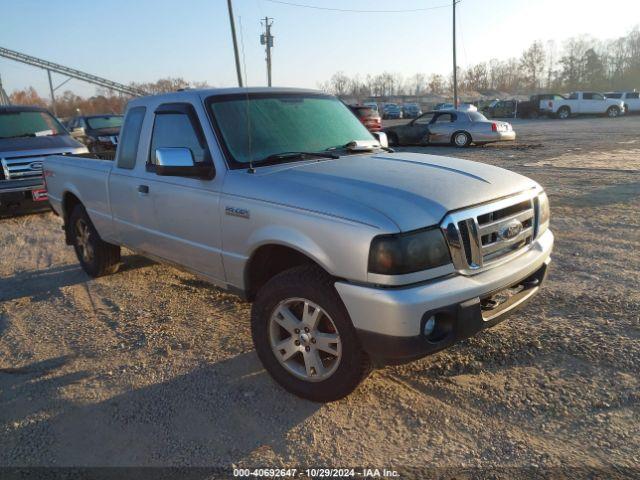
[[27, 135], [99, 133], [502, 109], [391, 111], [368, 116], [538, 105], [411, 110]]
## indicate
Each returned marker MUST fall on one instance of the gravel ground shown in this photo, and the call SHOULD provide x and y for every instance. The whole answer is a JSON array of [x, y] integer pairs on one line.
[[153, 367]]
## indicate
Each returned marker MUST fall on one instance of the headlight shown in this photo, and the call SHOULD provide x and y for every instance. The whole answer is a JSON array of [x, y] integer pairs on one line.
[[408, 252], [543, 213]]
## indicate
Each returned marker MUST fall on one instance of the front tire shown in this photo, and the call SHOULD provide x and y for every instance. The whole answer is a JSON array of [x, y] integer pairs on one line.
[[461, 139], [613, 112], [304, 337], [96, 256], [564, 113]]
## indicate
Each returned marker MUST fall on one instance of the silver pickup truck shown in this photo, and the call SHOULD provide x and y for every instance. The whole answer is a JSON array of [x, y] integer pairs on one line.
[[353, 255]]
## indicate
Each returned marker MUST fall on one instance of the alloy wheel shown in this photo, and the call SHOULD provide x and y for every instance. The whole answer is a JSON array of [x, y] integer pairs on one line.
[[304, 339], [83, 240]]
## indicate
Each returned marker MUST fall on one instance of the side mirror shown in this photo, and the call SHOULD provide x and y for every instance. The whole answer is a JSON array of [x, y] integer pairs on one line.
[[178, 162], [382, 138]]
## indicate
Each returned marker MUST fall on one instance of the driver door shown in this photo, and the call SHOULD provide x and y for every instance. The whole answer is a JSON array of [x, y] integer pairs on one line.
[[442, 127], [417, 131]]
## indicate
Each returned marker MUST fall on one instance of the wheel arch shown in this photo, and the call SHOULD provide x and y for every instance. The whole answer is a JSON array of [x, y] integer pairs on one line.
[[453, 135], [271, 258], [69, 201]]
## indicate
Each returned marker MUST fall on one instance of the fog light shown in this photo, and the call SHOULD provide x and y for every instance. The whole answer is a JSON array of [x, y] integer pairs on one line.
[[429, 326]]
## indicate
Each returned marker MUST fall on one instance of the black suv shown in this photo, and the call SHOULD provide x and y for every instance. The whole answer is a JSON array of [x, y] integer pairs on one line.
[[99, 133]]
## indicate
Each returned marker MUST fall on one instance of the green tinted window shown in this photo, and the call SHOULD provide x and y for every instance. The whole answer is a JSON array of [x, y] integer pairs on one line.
[[107, 121], [28, 124], [267, 124]]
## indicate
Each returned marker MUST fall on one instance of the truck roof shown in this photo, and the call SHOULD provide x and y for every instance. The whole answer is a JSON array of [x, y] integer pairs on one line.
[[207, 92]]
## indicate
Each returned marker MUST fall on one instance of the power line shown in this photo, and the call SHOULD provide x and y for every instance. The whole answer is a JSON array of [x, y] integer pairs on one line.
[[349, 10]]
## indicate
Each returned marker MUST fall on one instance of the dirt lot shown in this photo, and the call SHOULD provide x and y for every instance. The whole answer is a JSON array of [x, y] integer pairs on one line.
[[153, 367]]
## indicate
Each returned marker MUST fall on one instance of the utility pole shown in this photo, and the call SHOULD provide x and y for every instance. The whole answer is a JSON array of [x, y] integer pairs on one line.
[[455, 64], [53, 96], [235, 42], [266, 39]]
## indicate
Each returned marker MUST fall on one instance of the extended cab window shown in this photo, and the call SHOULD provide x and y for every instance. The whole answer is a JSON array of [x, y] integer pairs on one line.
[[130, 137], [178, 127], [587, 96], [633, 95]]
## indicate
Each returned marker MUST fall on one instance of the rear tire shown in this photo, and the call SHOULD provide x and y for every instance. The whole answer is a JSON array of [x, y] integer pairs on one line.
[[298, 291], [461, 139], [564, 113], [613, 112], [96, 256]]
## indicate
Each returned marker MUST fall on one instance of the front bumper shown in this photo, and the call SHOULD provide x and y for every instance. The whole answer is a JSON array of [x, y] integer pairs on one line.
[[390, 321]]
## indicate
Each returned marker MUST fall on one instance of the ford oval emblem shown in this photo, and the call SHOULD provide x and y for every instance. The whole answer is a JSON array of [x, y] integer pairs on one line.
[[510, 230], [35, 165]]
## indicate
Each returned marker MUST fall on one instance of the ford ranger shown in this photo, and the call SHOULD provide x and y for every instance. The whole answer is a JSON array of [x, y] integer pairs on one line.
[[353, 255], [27, 135]]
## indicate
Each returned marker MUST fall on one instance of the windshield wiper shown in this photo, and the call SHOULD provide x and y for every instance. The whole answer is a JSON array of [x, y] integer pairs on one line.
[[20, 136], [352, 146], [293, 156]]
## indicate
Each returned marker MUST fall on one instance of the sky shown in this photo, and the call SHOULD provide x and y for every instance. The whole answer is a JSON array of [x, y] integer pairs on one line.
[[144, 40]]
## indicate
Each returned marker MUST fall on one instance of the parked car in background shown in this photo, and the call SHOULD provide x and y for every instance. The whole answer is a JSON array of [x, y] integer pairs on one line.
[[456, 127], [631, 100], [372, 105], [99, 133], [411, 110], [538, 105], [391, 111], [578, 103], [27, 135], [444, 106], [369, 117], [353, 256], [501, 108]]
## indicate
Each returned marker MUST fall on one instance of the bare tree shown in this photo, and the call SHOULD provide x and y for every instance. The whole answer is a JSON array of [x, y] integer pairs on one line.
[[532, 65]]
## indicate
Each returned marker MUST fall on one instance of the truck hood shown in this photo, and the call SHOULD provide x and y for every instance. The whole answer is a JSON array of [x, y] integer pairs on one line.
[[409, 189], [27, 144]]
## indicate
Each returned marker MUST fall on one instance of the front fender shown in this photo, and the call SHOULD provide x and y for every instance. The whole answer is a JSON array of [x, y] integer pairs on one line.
[[294, 239]]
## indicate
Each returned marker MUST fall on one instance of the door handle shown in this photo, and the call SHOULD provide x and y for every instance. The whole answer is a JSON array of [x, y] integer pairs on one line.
[[144, 189]]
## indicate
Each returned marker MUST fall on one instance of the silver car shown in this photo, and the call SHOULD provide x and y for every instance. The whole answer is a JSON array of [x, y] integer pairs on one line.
[[456, 127]]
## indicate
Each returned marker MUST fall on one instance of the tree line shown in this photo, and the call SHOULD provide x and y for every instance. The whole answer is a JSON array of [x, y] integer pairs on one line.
[[105, 101], [580, 63]]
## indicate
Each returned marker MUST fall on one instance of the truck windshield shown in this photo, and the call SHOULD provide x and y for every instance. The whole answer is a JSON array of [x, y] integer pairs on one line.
[[28, 124], [256, 126], [106, 121]]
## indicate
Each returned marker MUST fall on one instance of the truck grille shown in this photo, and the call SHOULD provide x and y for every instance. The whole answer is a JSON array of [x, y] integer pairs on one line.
[[485, 235], [22, 168]]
